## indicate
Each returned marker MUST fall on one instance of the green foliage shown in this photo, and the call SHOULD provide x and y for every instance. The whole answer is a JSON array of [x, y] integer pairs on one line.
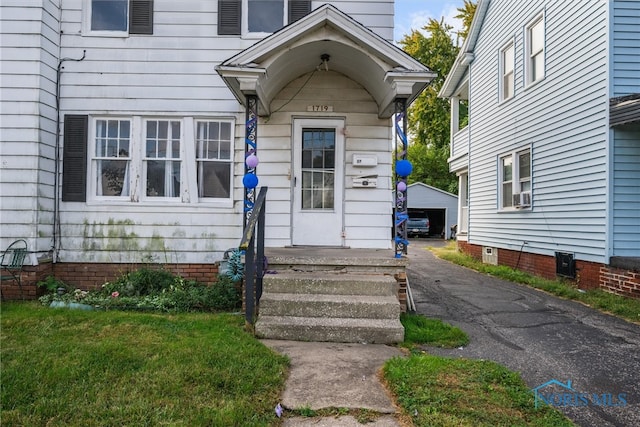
[[429, 115], [109, 368], [51, 284], [422, 330], [438, 391], [156, 290]]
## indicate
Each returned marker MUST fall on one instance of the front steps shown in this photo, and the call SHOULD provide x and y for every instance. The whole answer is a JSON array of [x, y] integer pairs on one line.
[[331, 298]]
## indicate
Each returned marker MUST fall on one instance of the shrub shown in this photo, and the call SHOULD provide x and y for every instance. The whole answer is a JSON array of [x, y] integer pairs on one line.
[[156, 290]]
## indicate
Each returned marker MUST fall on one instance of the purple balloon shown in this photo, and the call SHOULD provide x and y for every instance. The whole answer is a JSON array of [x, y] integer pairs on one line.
[[401, 186], [251, 161]]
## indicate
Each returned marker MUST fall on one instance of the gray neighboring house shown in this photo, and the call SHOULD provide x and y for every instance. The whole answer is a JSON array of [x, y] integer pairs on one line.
[[439, 205], [550, 158]]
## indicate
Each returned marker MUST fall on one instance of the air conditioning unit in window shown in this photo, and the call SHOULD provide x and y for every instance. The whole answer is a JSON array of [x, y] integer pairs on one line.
[[522, 200]]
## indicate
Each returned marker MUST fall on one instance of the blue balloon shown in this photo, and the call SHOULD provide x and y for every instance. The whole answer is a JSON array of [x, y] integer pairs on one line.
[[250, 180], [403, 168]]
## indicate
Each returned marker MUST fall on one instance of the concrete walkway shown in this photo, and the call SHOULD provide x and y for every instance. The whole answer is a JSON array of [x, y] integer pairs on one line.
[[335, 375]]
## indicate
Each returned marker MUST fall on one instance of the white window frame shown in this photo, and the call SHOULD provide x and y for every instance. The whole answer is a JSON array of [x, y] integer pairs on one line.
[[517, 182], [93, 159], [86, 25], [229, 161], [245, 20], [530, 55], [503, 71]]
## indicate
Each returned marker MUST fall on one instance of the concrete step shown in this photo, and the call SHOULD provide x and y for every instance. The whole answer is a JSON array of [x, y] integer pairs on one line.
[[380, 331], [336, 260], [332, 284], [322, 305]]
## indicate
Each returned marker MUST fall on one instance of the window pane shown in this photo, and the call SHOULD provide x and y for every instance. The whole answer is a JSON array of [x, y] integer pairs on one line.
[[163, 178], [112, 178], [507, 195], [524, 163], [507, 172], [537, 67], [537, 37], [265, 16], [507, 59], [214, 179], [109, 15]]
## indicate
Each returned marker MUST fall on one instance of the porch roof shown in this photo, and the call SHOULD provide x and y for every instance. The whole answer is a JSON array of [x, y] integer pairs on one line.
[[383, 69]]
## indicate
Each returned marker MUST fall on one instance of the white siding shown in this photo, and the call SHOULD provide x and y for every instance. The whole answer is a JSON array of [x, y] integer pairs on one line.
[[170, 74], [626, 54], [367, 211], [29, 52], [626, 193], [562, 118]]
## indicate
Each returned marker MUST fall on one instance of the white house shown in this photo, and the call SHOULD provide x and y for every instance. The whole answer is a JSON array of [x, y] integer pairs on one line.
[[549, 164], [126, 124]]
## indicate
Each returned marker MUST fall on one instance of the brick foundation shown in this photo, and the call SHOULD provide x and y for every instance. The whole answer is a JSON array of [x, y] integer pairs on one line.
[[589, 275], [89, 276], [620, 281]]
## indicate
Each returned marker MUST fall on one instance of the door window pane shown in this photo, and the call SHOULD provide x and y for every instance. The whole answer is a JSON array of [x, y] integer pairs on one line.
[[318, 168]]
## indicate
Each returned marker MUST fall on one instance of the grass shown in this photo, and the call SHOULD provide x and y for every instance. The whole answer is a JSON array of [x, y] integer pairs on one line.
[[626, 308], [75, 368], [422, 330], [437, 391]]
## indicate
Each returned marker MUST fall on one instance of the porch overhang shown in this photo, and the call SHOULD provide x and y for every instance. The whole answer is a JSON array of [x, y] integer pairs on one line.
[[347, 47]]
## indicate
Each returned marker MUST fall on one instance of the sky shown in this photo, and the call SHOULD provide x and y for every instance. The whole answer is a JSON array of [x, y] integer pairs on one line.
[[413, 14]]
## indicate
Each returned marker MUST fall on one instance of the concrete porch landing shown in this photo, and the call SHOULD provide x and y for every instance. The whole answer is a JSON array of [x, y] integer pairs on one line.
[[331, 294], [376, 260]]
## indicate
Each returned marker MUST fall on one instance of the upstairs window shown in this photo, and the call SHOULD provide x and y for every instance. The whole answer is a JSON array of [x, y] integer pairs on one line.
[[534, 45], [507, 77], [237, 17], [515, 180], [117, 17]]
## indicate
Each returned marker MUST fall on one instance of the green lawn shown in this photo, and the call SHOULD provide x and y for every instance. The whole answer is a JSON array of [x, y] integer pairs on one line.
[[64, 367], [439, 391]]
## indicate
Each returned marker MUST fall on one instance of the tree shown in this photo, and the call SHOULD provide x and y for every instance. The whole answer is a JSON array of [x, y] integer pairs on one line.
[[429, 116]]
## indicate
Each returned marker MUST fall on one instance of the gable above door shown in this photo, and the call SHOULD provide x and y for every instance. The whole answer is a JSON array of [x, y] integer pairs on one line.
[[326, 37]]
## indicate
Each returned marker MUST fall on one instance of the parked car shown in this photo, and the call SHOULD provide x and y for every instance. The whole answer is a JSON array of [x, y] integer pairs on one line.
[[418, 226]]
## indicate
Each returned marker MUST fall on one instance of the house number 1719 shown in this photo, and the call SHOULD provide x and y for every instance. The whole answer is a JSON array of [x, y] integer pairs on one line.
[[320, 108]]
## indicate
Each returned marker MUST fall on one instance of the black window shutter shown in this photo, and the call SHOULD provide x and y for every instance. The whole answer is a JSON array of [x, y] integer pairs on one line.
[[298, 9], [229, 17], [140, 16], [74, 158]]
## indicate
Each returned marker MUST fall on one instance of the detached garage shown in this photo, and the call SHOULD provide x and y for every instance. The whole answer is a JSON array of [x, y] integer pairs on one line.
[[441, 208]]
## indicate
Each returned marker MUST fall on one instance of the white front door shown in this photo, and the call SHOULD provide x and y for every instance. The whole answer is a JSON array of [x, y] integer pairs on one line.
[[318, 170]]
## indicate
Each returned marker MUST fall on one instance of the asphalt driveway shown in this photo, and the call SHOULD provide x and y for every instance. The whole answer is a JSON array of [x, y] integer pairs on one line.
[[594, 358]]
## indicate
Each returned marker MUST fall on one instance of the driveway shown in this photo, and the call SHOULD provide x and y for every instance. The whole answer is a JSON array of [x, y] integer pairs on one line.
[[541, 336]]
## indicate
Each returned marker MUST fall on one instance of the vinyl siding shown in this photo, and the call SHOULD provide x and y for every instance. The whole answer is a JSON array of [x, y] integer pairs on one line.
[[562, 118], [367, 211], [167, 75], [626, 55], [626, 193], [29, 51]]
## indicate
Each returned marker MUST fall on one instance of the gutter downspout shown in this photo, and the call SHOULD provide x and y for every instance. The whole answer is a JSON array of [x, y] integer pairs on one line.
[[56, 184]]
